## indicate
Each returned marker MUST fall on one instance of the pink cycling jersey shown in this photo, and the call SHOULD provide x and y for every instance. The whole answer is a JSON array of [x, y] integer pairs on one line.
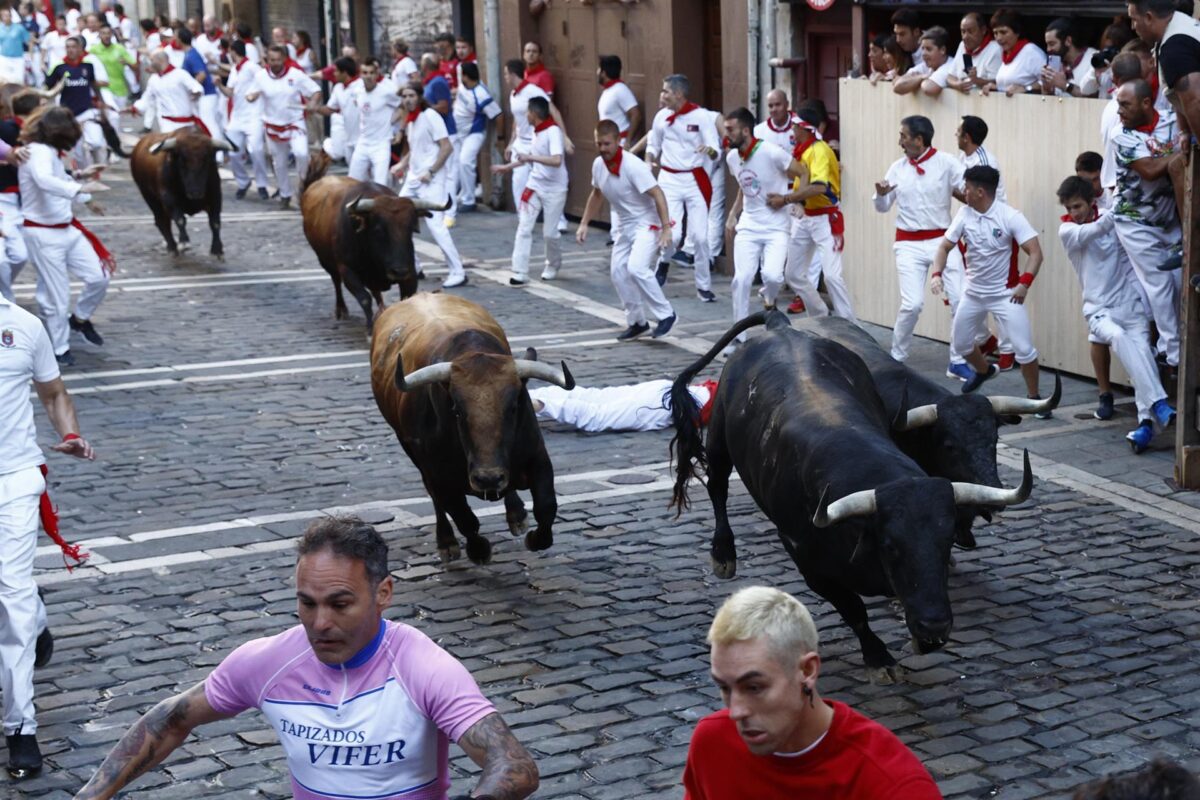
[[376, 727]]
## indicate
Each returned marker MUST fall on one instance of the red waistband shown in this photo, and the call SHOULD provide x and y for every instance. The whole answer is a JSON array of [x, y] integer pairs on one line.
[[821, 212], [918, 236]]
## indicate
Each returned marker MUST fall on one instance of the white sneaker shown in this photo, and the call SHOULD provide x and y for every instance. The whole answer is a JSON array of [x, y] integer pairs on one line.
[[549, 273], [451, 283]]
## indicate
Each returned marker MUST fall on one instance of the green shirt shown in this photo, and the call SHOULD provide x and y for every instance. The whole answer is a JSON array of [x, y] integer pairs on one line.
[[114, 57]]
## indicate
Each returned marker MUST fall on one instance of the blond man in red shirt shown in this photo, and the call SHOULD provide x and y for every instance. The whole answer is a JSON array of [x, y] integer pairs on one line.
[[777, 738]]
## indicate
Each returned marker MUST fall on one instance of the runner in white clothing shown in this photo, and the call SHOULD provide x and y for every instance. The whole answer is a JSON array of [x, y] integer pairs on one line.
[[342, 109], [172, 95], [617, 104], [405, 69], [777, 127], [376, 101], [520, 141], [285, 91], [921, 184], [423, 171], [644, 229], [640, 407], [474, 110], [244, 128]]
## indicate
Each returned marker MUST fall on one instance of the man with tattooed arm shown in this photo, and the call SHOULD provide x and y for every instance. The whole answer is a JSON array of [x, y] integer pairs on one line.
[[364, 707]]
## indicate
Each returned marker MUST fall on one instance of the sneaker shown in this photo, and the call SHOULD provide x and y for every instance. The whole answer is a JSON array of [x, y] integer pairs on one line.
[[517, 281], [1042, 414], [43, 648], [633, 332], [240, 194], [797, 306], [263, 195], [549, 273], [420, 274], [563, 226], [1007, 362], [961, 371], [1162, 413], [449, 222], [24, 755], [989, 347], [706, 296], [977, 378], [1140, 437], [1105, 409], [453, 283], [285, 203], [1196, 282], [85, 327], [66, 359], [687, 259], [660, 274], [664, 326]]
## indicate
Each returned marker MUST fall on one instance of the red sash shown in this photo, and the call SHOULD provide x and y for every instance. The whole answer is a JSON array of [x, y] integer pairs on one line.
[[837, 224], [706, 409], [526, 195], [918, 236], [276, 132], [190, 120], [49, 515], [106, 258], [702, 181]]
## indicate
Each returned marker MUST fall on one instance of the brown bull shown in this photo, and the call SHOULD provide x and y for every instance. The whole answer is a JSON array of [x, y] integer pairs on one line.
[[362, 234], [177, 175], [446, 381]]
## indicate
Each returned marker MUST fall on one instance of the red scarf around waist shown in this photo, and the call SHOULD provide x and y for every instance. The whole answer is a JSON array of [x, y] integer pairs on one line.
[[703, 183], [706, 409], [918, 236], [684, 110], [1009, 56], [277, 132], [193, 120], [837, 224], [106, 258], [49, 515]]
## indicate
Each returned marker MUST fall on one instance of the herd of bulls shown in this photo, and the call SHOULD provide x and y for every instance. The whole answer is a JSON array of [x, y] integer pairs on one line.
[[869, 471]]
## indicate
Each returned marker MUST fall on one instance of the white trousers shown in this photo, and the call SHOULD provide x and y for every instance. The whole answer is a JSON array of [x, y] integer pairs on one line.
[[716, 213], [634, 258], [683, 197], [12, 69], [1147, 247], [640, 407], [15, 252], [370, 162], [912, 263], [1127, 331], [335, 143], [210, 114], [435, 191], [296, 146], [22, 614], [551, 205], [520, 177], [468, 162], [954, 278], [752, 251], [451, 170], [812, 237], [250, 148], [93, 137], [1011, 317], [58, 254]]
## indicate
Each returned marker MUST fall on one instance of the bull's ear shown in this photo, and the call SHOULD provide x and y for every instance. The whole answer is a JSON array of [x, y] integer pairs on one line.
[[1010, 419], [530, 354], [864, 551], [426, 214]]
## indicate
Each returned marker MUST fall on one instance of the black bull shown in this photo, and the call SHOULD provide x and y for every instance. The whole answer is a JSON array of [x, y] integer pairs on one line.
[[177, 176], [800, 419]]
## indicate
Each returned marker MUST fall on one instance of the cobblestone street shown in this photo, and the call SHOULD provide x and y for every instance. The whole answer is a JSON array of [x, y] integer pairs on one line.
[[228, 409]]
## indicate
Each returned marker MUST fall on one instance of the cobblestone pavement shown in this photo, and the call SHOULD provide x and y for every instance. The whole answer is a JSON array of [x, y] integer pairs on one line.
[[229, 409]]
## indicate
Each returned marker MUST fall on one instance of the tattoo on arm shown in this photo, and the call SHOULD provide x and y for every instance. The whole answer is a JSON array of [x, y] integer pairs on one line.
[[508, 770]]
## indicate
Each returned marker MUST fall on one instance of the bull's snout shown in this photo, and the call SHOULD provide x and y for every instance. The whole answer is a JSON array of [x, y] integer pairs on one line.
[[931, 634], [489, 482]]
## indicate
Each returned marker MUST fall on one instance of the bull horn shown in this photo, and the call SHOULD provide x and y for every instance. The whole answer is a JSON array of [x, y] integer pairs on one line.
[[858, 504], [920, 417], [1024, 405], [434, 373], [165, 144], [545, 372], [426, 205], [221, 144], [979, 495], [361, 205]]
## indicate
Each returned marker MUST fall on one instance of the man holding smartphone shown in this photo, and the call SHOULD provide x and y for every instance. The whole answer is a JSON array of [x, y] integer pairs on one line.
[[979, 55], [1069, 71]]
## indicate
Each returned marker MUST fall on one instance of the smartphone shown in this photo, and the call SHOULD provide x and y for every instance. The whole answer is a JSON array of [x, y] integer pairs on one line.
[[1055, 63], [968, 62]]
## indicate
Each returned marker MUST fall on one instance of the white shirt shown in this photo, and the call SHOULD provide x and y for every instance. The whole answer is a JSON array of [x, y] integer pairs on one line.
[[424, 133], [1083, 76], [1106, 277], [923, 200], [1025, 69], [764, 173], [174, 93], [940, 76], [675, 144], [174, 54], [626, 192], [246, 116], [283, 96], [252, 53], [305, 59], [469, 104], [25, 352], [780, 137], [46, 189], [990, 237], [209, 49], [518, 104], [1141, 201], [543, 178], [375, 110], [405, 71], [43, 22], [128, 31], [982, 158], [54, 45], [986, 63], [615, 103], [1110, 125], [73, 15], [90, 38], [342, 98]]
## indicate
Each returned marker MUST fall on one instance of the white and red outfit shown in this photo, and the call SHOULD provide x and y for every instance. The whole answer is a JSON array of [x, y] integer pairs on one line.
[[545, 192], [924, 187], [640, 407], [1022, 66], [518, 104], [675, 138], [783, 137], [176, 96], [990, 237], [760, 169], [283, 97], [1113, 304], [625, 183], [405, 71], [424, 131], [343, 126], [380, 724], [985, 60], [615, 103], [372, 154], [59, 247], [209, 48], [245, 126]]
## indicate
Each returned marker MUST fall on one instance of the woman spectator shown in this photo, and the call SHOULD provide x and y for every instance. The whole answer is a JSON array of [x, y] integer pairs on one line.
[[898, 61], [1022, 62], [304, 51]]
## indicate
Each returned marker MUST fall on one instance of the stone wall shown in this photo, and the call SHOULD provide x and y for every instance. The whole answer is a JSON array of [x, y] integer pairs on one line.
[[416, 21]]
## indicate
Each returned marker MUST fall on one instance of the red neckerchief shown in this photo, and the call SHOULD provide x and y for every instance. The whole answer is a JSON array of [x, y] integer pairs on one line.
[[1151, 125], [749, 151], [930, 153], [301, 51], [1095, 216], [684, 110], [1070, 69], [786, 127], [610, 84], [1008, 57], [986, 41], [71, 63], [411, 117], [544, 124], [614, 166], [801, 149], [169, 69], [287, 66], [238, 67], [535, 69], [524, 82], [470, 59], [174, 44]]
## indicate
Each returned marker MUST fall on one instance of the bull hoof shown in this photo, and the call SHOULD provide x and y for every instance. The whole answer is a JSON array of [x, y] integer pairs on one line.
[[479, 550], [965, 540], [340, 313], [724, 569], [536, 542], [220, 257], [519, 525], [885, 676], [448, 554]]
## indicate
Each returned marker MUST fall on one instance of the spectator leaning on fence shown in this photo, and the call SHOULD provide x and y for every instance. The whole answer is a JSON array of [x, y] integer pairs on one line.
[[1073, 75], [1022, 62], [932, 75], [906, 27], [980, 49]]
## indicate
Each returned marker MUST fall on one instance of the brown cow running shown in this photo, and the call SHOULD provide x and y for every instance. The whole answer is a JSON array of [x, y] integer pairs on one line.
[[445, 380], [177, 175]]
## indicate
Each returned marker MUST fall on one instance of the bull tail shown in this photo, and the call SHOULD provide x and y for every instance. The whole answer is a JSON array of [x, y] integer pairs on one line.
[[111, 137], [317, 165], [687, 446]]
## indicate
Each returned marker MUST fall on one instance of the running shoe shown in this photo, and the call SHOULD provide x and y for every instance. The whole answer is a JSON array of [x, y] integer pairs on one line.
[[1140, 437], [706, 296], [660, 274], [664, 326], [1163, 413], [24, 755], [961, 371], [1007, 362], [633, 332], [687, 259], [85, 327], [977, 378], [1105, 409]]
